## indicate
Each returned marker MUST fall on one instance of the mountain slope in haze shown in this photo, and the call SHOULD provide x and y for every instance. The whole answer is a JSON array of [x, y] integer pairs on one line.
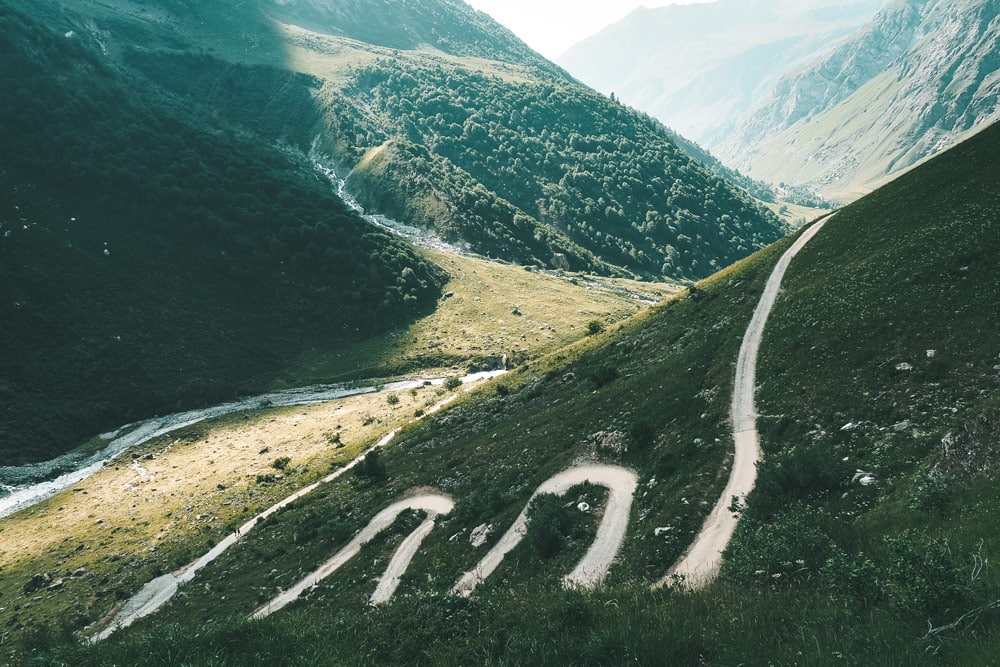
[[449, 26], [698, 67], [516, 160], [919, 77], [873, 515], [150, 262]]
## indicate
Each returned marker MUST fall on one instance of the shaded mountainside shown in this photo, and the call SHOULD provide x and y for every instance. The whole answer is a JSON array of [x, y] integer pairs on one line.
[[873, 517], [516, 160], [150, 262], [919, 77]]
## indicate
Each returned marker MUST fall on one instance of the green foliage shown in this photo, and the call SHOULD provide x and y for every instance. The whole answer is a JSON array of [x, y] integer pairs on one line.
[[392, 399], [372, 468], [594, 327], [549, 525], [281, 462], [526, 168], [603, 375], [453, 383]]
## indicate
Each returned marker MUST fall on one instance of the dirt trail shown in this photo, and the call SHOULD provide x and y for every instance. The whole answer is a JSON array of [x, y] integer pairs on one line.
[[701, 563], [433, 504], [593, 568], [159, 591]]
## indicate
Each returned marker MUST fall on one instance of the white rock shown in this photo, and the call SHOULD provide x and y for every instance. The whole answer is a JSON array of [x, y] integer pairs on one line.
[[904, 425], [904, 367], [863, 478], [583, 507], [662, 530], [849, 426], [931, 354], [479, 534]]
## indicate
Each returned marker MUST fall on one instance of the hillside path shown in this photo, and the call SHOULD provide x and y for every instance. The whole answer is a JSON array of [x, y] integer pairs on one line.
[[593, 568], [701, 563], [432, 504]]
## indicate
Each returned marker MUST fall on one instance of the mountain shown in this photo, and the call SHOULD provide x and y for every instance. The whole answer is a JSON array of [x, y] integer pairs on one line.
[[867, 538], [918, 78], [698, 67], [833, 97], [172, 240], [431, 129], [153, 261]]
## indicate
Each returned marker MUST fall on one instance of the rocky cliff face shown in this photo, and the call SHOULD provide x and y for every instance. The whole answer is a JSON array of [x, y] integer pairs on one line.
[[917, 80], [700, 67]]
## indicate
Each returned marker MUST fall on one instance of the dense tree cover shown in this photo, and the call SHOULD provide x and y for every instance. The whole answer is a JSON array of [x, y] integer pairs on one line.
[[147, 262], [507, 155]]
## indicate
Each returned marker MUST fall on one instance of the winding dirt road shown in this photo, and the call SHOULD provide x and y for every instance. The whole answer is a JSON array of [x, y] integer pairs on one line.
[[701, 563], [593, 568], [433, 504], [159, 591]]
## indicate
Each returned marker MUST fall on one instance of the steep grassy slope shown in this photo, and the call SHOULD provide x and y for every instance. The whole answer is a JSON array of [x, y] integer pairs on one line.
[[490, 451], [150, 262], [854, 540]]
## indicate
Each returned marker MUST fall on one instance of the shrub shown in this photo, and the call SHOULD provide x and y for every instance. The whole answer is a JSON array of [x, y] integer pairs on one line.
[[281, 462], [453, 383], [392, 399], [371, 468], [594, 327], [603, 375]]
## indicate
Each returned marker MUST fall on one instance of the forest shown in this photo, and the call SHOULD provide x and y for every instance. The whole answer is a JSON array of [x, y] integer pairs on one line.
[[504, 156], [147, 260]]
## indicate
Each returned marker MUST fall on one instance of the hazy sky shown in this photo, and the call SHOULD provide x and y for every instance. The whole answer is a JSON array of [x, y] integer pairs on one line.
[[552, 26]]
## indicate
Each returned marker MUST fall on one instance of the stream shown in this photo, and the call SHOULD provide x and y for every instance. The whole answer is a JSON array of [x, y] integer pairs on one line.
[[24, 486]]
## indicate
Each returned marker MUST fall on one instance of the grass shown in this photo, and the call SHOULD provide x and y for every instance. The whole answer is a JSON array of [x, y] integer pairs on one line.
[[489, 451], [477, 322]]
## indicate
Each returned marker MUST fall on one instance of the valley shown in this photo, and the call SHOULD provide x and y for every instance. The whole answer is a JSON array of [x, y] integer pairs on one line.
[[406, 347]]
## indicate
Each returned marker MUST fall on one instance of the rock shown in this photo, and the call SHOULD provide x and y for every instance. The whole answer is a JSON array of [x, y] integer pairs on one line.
[[479, 534], [583, 507], [80, 572], [662, 530], [516, 312], [904, 367], [863, 478], [848, 427], [56, 585], [559, 261], [37, 581], [904, 425], [931, 354], [610, 441]]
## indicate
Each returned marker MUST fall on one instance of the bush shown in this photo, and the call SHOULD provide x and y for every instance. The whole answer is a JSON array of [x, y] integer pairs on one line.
[[594, 327], [547, 525], [453, 383], [603, 375], [371, 468], [392, 399], [281, 462]]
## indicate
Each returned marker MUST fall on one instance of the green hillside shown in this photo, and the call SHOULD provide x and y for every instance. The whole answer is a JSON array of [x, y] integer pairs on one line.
[[149, 262], [870, 524], [447, 123]]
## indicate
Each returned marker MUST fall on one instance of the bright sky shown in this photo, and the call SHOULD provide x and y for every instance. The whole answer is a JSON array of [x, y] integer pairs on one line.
[[552, 26]]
